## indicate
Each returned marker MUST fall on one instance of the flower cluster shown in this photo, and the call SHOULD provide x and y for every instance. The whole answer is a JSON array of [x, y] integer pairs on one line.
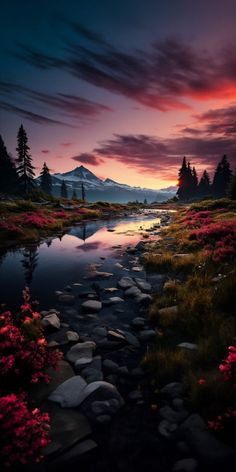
[[33, 219], [218, 239], [24, 351], [195, 219], [228, 366], [23, 432]]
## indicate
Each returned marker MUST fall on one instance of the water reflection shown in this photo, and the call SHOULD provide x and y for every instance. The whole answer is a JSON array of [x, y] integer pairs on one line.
[[30, 262]]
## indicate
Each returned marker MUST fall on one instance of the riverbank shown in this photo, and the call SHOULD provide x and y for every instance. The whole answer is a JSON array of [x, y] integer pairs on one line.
[[113, 404], [194, 315]]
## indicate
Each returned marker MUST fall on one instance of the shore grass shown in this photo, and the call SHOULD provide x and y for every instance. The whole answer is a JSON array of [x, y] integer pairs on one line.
[[201, 288]]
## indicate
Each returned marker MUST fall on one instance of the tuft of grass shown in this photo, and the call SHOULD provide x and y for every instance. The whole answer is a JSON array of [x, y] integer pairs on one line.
[[173, 263], [167, 365]]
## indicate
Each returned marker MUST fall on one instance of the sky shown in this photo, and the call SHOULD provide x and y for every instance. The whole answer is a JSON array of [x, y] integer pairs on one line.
[[123, 87]]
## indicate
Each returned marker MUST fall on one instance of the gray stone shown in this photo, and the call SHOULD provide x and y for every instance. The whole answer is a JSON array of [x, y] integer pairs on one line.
[[133, 292], [72, 336], [41, 391], [169, 310], [68, 394], [123, 371], [173, 416], [178, 404], [103, 419], [189, 346], [116, 336], [81, 353], [91, 374], [137, 372], [114, 300], [143, 285], [146, 335], [110, 366], [206, 447], [144, 299], [100, 331], [167, 429], [173, 390], [66, 429], [92, 306], [66, 299], [138, 322], [79, 449], [51, 321], [135, 396], [125, 283], [186, 465], [130, 338]]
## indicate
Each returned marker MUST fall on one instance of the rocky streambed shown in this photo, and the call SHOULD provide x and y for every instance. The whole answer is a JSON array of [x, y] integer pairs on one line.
[[102, 414]]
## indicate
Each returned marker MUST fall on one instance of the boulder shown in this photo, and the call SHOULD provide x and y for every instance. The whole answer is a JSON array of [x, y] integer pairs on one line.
[[133, 292], [186, 465], [81, 353], [144, 300], [143, 285], [110, 366], [173, 390], [189, 346], [92, 306], [125, 283], [138, 322], [72, 336], [51, 321], [68, 394], [146, 335], [173, 416]]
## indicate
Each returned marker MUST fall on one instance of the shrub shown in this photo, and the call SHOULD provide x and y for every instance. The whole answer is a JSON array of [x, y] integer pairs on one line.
[[23, 432]]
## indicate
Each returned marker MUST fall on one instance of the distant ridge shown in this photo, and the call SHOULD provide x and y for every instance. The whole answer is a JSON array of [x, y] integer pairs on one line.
[[106, 190]]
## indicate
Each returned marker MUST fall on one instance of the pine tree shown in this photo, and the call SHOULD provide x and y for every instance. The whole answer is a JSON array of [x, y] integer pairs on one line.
[[25, 169], [74, 194], [7, 170], [222, 178], [46, 180], [64, 193], [184, 181], [82, 192], [194, 182], [204, 188], [232, 188]]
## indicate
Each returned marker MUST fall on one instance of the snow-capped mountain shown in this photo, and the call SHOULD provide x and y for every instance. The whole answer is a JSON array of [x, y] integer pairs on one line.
[[105, 190]]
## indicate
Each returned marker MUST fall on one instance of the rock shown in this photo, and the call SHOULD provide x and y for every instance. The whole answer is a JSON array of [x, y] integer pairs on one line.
[[186, 465], [58, 293], [100, 331], [103, 419], [68, 394], [143, 285], [146, 335], [137, 372], [173, 390], [173, 416], [123, 371], [53, 344], [68, 288], [110, 366], [72, 336], [73, 453], [138, 322], [125, 283], [206, 447], [111, 289], [133, 292], [66, 299], [130, 338], [91, 374], [92, 306], [135, 396], [144, 299], [71, 312], [116, 336], [66, 429], [104, 396], [137, 269], [81, 353], [51, 321], [167, 429], [114, 300], [118, 265], [103, 275], [189, 346], [178, 404], [170, 310]]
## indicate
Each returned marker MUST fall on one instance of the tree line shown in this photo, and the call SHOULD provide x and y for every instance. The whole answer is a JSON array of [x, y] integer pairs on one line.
[[190, 187], [18, 177]]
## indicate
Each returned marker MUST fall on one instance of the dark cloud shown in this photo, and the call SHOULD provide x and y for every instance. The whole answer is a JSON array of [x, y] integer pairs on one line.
[[29, 115], [66, 144], [74, 106], [45, 151], [88, 159], [162, 77], [220, 121]]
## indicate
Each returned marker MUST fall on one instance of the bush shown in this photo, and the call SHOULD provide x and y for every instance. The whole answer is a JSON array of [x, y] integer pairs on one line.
[[23, 432], [166, 365]]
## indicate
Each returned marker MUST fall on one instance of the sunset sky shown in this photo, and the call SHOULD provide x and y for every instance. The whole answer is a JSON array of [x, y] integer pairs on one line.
[[124, 87]]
